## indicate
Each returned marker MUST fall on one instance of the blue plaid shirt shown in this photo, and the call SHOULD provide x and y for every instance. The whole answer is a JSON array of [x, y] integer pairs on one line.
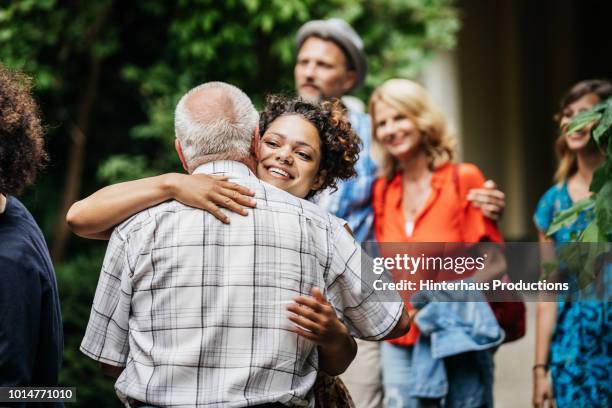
[[353, 199]]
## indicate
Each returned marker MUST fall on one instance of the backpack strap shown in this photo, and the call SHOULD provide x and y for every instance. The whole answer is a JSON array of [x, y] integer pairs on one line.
[[460, 187], [460, 196], [456, 179]]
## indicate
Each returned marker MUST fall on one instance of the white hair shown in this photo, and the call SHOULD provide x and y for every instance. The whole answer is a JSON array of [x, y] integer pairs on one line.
[[226, 133]]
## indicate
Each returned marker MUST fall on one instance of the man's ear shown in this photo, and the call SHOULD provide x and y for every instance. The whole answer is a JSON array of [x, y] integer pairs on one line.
[[349, 80], [179, 151], [320, 179]]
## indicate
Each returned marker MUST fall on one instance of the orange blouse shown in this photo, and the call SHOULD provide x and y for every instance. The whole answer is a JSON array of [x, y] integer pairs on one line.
[[445, 217]]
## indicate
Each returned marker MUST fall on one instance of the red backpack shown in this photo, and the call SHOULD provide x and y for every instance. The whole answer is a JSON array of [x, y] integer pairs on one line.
[[510, 313]]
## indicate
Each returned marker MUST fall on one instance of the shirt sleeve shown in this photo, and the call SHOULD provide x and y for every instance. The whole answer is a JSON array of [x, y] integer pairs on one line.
[[106, 337], [545, 210], [477, 227], [369, 314]]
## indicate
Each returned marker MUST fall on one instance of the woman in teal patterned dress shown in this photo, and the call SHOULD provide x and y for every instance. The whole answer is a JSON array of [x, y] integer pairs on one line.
[[573, 339]]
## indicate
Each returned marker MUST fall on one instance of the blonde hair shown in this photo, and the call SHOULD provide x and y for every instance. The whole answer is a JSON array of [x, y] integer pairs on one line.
[[412, 100], [567, 158]]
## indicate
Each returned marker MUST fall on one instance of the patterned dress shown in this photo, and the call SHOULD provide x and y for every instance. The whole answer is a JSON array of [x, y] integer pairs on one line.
[[581, 347]]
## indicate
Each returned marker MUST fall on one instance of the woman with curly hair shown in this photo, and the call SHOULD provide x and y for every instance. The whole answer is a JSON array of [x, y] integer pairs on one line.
[[22, 151], [31, 336], [304, 147]]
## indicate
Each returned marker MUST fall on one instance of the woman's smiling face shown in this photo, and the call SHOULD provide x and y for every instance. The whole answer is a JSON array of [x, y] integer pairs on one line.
[[395, 131], [290, 155]]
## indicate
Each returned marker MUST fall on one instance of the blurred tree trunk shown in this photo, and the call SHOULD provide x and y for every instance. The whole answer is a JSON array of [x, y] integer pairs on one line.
[[78, 136]]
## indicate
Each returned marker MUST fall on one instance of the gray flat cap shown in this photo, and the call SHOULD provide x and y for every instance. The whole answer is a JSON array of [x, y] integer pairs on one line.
[[341, 33]]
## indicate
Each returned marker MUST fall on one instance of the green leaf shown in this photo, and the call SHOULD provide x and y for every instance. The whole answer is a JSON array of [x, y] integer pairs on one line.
[[603, 129], [569, 216], [267, 23], [571, 256], [602, 175], [581, 259], [251, 5], [603, 208], [583, 119], [548, 268], [591, 233], [592, 266]]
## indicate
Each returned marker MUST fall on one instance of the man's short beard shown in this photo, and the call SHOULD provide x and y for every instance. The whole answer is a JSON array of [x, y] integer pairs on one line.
[[311, 98]]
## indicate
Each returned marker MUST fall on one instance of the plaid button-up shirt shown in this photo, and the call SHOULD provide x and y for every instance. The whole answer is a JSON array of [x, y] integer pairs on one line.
[[195, 309]]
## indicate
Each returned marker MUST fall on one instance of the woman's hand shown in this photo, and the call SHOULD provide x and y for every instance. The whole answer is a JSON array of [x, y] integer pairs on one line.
[[209, 193], [316, 320], [542, 390], [489, 199]]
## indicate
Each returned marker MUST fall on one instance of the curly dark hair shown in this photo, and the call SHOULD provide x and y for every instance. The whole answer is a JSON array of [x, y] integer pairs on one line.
[[340, 145], [22, 151]]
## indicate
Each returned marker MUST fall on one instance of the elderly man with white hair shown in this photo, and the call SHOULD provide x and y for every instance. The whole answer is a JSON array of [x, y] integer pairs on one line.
[[190, 311]]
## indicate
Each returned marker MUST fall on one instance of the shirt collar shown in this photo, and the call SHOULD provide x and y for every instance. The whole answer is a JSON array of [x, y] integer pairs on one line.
[[230, 168]]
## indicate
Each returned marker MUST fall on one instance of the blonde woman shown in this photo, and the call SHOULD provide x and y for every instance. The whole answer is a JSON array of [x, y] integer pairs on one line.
[[419, 197], [572, 338]]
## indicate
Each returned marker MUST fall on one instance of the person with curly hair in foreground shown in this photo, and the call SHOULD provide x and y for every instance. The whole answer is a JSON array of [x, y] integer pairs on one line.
[[339, 145], [31, 337]]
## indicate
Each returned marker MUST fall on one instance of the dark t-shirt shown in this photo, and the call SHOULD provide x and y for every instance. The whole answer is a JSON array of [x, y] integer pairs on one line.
[[31, 335]]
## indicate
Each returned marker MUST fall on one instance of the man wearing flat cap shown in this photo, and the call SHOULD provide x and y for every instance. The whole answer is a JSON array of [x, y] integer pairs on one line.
[[330, 63], [331, 60]]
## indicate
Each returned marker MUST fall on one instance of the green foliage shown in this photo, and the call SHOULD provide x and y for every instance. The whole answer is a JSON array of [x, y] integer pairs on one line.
[[601, 175], [122, 167], [583, 119], [601, 185], [569, 216], [77, 280], [582, 259], [602, 131], [251, 44], [603, 208], [548, 268], [153, 51]]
